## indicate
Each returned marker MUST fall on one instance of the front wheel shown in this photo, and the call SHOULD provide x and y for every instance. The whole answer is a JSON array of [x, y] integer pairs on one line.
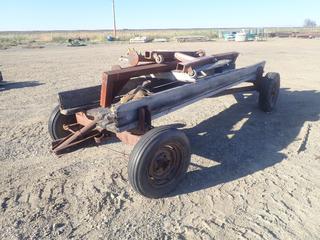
[[159, 161], [56, 122]]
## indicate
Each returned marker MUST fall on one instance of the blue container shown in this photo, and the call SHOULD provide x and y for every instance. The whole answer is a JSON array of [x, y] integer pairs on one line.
[[110, 38]]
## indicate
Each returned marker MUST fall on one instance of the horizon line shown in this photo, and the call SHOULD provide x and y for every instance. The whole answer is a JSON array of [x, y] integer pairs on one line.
[[147, 29]]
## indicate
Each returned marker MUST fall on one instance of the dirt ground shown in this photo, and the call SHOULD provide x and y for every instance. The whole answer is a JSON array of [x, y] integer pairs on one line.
[[253, 175]]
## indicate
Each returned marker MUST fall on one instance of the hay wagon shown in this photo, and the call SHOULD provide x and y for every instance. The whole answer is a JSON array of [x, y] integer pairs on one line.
[[155, 84]]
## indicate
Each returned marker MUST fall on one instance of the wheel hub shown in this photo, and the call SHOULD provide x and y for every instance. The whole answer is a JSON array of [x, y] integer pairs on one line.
[[164, 165]]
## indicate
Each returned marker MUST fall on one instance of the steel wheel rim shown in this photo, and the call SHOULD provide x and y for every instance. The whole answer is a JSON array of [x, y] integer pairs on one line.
[[165, 165]]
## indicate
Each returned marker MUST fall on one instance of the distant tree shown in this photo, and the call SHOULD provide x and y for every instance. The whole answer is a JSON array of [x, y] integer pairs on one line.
[[309, 23]]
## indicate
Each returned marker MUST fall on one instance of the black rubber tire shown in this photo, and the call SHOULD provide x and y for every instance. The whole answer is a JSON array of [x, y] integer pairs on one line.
[[269, 87], [56, 121], [143, 158]]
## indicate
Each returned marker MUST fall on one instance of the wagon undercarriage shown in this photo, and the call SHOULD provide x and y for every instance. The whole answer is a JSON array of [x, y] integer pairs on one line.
[[156, 83]]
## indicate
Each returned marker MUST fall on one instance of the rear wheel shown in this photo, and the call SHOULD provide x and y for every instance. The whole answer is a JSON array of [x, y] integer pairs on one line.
[[56, 122], [269, 87], [159, 161]]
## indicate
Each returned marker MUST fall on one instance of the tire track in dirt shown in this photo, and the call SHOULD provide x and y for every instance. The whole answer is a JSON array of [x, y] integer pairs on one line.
[[267, 190], [60, 204], [26, 140]]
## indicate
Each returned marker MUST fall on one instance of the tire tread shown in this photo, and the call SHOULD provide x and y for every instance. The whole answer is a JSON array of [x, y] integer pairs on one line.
[[137, 153]]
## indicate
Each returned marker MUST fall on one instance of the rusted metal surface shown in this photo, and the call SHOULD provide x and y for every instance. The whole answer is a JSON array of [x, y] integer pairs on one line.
[[82, 119], [72, 128], [113, 81], [128, 138], [162, 56], [134, 58], [144, 125], [79, 136], [130, 119], [189, 66], [86, 129], [158, 56]]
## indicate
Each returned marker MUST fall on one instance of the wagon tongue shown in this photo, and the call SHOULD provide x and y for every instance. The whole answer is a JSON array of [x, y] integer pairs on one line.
[[84, 130], [75, 138]]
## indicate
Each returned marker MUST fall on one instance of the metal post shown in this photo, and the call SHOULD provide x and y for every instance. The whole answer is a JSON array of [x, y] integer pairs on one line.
[[114, 20]]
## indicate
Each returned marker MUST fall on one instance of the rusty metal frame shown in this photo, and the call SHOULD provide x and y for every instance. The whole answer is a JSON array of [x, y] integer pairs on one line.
[[90, 131], [161, 56], [87, 127], [134, 58], [83, 119], [113, 81], [157, 56], [75, 138], [144, 125], [189, 66]]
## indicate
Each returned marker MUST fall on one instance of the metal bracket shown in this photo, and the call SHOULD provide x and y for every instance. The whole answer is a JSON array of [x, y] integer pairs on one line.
[[144, 122]]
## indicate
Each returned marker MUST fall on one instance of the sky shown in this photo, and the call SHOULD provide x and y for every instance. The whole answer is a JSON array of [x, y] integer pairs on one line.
[[152, 14]]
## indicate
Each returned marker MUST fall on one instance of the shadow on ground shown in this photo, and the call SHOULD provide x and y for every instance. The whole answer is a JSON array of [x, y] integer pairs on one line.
[[5, 86], [256, 145], [242, 139]]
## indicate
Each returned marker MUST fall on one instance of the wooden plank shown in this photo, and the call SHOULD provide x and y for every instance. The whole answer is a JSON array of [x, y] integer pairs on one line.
[[80, 98], [173, 99]]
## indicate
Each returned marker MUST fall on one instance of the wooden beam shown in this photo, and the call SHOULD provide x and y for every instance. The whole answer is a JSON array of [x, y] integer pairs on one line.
[[165, 102]]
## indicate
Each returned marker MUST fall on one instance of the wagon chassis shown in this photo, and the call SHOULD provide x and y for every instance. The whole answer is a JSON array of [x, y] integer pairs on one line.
[[155, 84]]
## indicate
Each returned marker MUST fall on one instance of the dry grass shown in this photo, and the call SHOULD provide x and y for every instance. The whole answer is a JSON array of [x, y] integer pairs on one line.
[[9, 39], [99, 36]]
